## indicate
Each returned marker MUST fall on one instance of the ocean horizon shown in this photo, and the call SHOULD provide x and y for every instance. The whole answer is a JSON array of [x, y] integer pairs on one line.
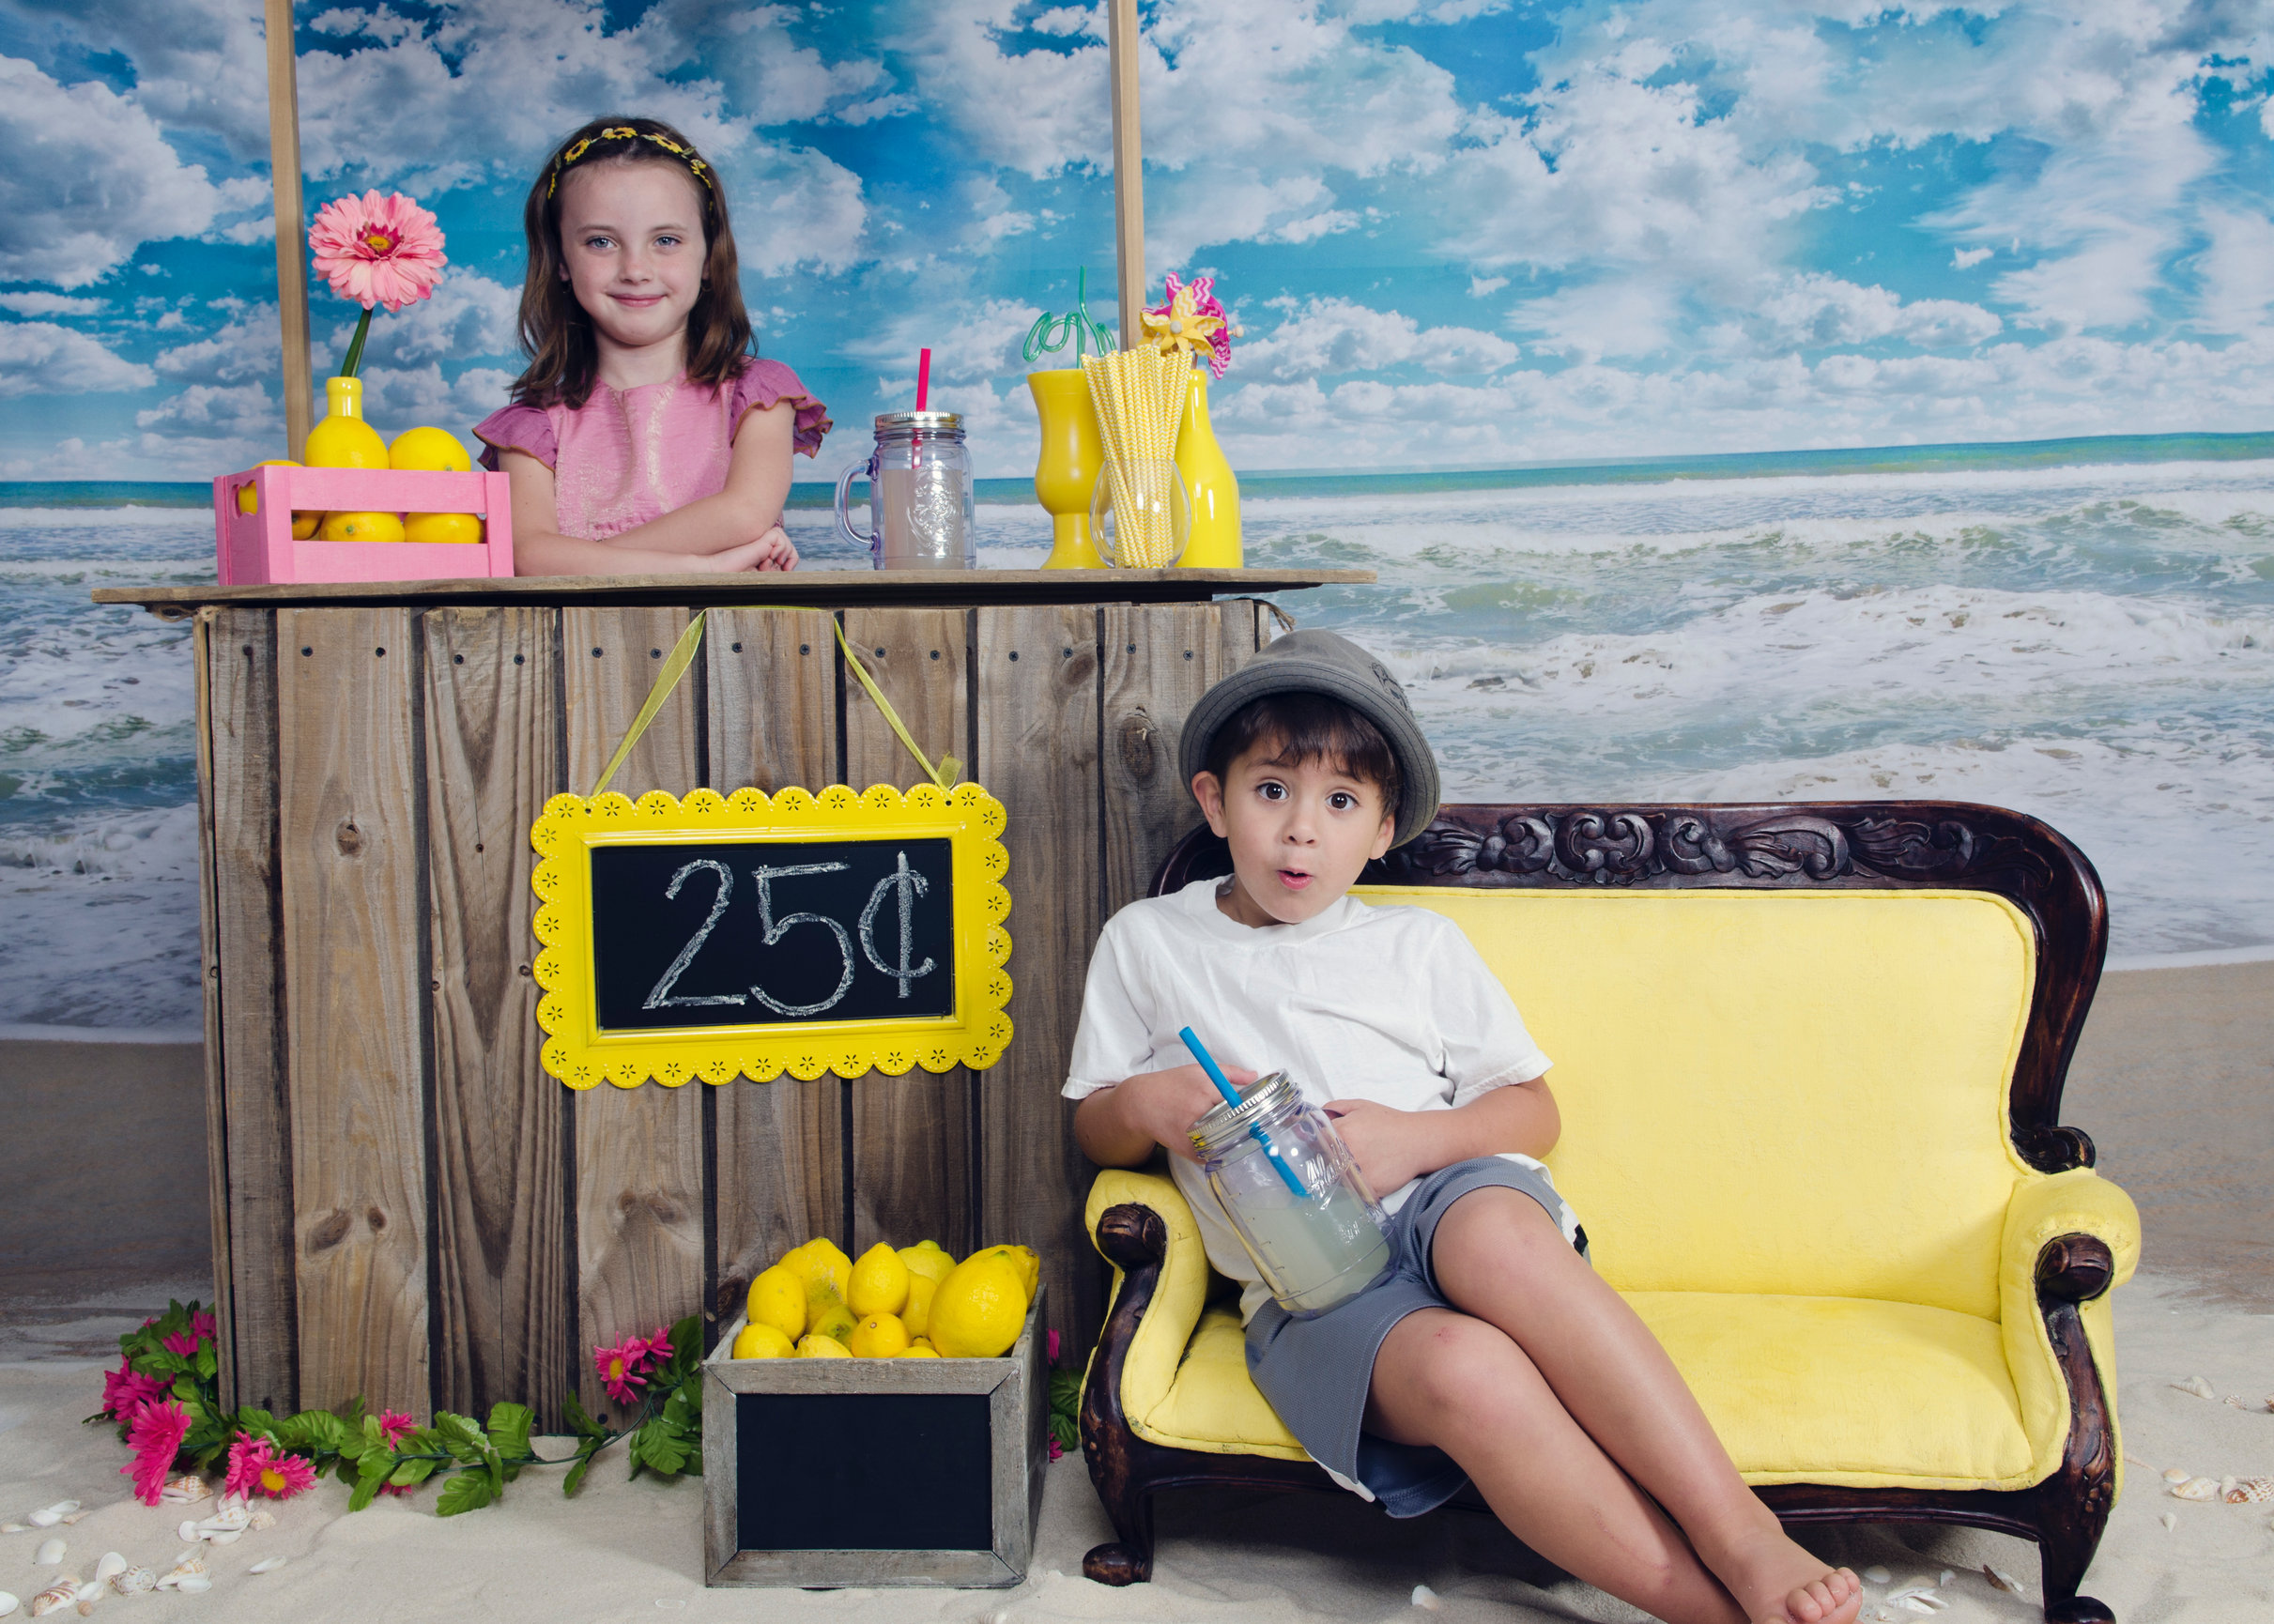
[[2080, 629]]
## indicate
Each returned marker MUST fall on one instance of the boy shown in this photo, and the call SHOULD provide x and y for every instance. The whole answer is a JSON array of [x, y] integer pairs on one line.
[[1491, 1353]]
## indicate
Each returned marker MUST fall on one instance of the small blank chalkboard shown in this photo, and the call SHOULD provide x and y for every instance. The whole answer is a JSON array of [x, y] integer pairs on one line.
[[874, 1472]]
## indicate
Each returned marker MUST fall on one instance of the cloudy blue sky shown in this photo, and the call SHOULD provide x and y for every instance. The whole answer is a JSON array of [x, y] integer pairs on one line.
[[1458, 232]]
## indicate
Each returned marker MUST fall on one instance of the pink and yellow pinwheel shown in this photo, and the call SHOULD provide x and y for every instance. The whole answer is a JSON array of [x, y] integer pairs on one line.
[[377, 250], [1190, 321]]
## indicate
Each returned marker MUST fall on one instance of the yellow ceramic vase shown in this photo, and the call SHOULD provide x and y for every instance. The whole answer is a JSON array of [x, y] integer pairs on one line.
[[1067, 471], [342, 439], [1209, 485]]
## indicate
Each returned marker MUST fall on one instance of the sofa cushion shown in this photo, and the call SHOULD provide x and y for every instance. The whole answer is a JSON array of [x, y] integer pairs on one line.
[[1766, 1091], [1814, 1390]]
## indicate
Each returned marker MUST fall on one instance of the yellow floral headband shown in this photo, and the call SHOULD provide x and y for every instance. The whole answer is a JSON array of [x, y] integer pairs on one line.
[[625, 132]]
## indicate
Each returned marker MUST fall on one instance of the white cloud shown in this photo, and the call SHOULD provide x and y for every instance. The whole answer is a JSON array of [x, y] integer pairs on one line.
[[1812, 311], [467, 315], [199, 64], [1485, 286], [2235, 272], [1334, 335], [249, 343], [89, 178], [51, 304], [396, 399], [1967, 258], [37, 358], [224, 409]]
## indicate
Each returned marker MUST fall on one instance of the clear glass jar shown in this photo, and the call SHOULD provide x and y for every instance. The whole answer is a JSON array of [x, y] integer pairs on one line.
[[921, 506], [1315, 1249]]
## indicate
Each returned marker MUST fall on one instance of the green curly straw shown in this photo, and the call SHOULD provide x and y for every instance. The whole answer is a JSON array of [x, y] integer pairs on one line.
[[1075, 324]]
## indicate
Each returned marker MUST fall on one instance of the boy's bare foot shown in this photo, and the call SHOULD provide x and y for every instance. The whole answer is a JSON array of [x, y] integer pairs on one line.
[[1776, 1581]]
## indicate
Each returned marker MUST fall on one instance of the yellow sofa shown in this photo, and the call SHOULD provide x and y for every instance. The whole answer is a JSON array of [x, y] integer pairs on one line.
[[1808, 1061]]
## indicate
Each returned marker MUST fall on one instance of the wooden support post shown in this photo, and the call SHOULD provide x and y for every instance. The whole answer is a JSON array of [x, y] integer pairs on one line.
[[291, 229], [1128, 168]]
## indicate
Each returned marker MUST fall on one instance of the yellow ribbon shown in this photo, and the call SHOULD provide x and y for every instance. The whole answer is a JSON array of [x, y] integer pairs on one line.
[[683, 655]]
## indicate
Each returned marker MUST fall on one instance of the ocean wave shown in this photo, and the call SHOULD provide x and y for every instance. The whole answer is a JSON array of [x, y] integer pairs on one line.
[[102, 921]]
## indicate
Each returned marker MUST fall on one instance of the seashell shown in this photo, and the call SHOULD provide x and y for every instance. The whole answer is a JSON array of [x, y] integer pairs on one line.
[[111, 1563], [62, 1593], [1944, 1582], [2177, 1475], [234, 1517], [1919, 1598], [8, 1604], [89, 1596], [264, 1518], [50, 1553], [44, 1519], [225, 1537], [2168, 1522], [2247, 1490], [2196, 1489], [268, 1566], [191, 1562], [2198, 1387], [1877, 1575], [1426, 1600], [193, 1584], [181, 1491], [135, 1582], [2001, 1579], [14, 1528], [71, 1517]]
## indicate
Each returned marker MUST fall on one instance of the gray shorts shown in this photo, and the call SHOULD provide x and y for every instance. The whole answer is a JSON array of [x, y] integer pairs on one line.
[[1317, 1373]]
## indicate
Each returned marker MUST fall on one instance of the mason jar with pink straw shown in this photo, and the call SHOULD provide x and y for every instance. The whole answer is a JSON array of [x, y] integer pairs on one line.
[[921, 504]]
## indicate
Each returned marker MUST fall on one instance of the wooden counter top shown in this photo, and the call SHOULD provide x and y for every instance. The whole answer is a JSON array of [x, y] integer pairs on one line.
[[810, 588]]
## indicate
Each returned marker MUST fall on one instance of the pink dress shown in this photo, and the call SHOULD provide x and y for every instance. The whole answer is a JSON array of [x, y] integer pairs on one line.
[[626, 456]]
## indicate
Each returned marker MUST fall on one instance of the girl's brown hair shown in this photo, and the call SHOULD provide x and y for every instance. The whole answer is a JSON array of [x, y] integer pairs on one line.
[[557, 335]]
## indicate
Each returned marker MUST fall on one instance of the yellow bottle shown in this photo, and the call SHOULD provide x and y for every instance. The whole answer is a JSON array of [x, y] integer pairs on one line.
[[1209, 485], [342, 439]]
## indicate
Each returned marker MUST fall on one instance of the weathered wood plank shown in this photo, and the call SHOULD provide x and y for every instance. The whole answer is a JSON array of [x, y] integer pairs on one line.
[[1037, 752], [912, 1151], [1158, 664], [639, 1198], [348, 814], [208, 955], [503, 1269], [778, 1178], [251, 1151]]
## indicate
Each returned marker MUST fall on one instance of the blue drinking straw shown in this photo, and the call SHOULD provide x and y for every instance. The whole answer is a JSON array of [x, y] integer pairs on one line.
[[1224, 1086]]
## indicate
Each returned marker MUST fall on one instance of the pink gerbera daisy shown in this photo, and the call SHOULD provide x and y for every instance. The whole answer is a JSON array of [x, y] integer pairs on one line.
[[393, 1426], [155, 1437], [126, 1389], [203, 1323], [257, 1467], [620, 1368], [181, 1343], [378, 249]]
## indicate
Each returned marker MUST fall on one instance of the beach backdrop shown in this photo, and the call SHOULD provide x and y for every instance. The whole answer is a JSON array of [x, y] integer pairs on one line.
[[1576, 322]]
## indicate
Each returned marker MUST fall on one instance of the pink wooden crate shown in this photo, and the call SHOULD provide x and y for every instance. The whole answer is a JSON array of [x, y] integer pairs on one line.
[[257, 547]]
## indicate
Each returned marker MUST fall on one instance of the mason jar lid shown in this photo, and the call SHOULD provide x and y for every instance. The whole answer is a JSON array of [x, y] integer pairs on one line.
[[919, 422], [1267, 1097]]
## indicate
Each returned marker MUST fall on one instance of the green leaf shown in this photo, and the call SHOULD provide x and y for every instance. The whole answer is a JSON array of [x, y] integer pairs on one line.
[[579, 1419], [1066, 1431], [366, 1491], [694, 1466], [461, 1437], [207, 1361], [410, 1473], [314, 1431], [585, 1451], [348, 1475], [249, 1420], [509, 1429], [465, 1492], [662, 1447]]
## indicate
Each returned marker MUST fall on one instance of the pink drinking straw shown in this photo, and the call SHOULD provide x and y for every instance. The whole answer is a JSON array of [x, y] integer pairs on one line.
[[923, 377]]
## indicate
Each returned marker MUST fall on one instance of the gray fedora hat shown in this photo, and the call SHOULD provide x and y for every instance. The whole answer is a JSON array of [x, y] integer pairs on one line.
[[1315, 662]]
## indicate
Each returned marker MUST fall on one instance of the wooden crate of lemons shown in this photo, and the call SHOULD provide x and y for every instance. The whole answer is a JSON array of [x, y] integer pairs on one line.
[[942, 1359]]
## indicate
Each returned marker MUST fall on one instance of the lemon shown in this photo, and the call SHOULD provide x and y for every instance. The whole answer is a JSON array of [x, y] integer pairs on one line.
[[879, 1337], [820, 1347], [924, 1343], [913, 1351], [345, 442], [429, 448], [445, 528], [977, 1310], [926, 1258], [763, 1342], [828, 1316], [821, 1264], [918, 1313], [361, 528], [248, 499], [880, 1282], [1028, 1261], [305, 524], [777, 1298]]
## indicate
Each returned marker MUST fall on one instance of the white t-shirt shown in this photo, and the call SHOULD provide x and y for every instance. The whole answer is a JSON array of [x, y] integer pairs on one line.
[[1390, 1004]]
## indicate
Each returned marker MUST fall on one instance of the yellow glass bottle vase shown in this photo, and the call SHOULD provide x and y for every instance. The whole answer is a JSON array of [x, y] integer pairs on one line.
[[1066, 470], [1209, 485]]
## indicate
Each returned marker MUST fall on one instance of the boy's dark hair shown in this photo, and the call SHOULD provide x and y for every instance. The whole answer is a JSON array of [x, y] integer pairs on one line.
[[556, 334], [1308, 728]]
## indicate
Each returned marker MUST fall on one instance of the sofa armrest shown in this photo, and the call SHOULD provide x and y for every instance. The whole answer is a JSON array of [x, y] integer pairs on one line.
[[2070, 1238], [1141, 1224]]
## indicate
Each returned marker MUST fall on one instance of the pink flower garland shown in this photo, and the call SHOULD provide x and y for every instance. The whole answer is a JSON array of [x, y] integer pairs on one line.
[[257, 1467], [155, 1435]]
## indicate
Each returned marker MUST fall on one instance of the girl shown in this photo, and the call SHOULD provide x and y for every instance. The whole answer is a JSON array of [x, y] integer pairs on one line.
[[644, 437]]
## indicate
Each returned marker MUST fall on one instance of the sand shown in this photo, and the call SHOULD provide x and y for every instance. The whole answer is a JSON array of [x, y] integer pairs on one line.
[[2174, 1081]]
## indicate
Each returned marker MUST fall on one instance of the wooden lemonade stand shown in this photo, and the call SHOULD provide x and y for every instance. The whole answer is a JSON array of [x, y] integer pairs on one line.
[[404, 1206]]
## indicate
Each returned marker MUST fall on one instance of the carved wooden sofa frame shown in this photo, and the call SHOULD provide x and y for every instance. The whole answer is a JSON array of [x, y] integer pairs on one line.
[[1875, 845]]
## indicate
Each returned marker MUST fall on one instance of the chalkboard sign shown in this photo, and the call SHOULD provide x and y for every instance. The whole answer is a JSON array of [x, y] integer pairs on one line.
[[749, 934]]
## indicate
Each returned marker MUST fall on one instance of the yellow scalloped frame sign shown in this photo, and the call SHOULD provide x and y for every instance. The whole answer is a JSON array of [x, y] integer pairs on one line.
[[700, 938]]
